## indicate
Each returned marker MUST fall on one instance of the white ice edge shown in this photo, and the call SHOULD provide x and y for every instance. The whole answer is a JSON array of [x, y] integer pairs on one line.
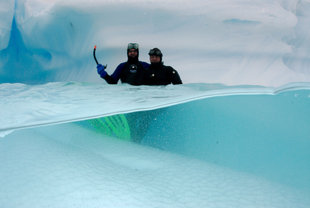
[[150, 103]]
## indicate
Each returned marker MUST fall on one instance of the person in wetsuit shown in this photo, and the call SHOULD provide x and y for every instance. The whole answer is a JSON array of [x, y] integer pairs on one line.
[[131, 72], [159, 74]]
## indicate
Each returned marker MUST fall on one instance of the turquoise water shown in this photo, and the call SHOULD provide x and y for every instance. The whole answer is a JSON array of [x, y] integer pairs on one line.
[[267, 135], [261, 134], [230, 149]]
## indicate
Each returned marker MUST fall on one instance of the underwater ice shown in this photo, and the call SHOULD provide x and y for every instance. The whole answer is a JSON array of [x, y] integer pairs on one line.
[[240, 146], [242, 143]]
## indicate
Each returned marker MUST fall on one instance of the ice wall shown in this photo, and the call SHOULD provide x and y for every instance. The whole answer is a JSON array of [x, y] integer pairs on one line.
[[231, 42]]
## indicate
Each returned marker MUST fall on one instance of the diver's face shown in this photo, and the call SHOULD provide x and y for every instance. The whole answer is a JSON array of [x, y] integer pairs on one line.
[[133, 53], [154, 59]]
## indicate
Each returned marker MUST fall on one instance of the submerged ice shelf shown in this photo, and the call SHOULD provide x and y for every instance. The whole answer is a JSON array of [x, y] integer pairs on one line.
[[69, 166]]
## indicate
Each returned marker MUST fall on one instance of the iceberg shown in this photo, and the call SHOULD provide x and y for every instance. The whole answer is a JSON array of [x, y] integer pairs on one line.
[[230, 42]]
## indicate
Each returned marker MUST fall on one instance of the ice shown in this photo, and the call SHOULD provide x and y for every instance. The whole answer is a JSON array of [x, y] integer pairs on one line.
[[229, 42], [79, 168], [60, 102]]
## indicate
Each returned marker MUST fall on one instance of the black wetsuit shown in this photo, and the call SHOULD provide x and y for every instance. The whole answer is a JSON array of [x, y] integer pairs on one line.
[[131, 72], [159, 74]]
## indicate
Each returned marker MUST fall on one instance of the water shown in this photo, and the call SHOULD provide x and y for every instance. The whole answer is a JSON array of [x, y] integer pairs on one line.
[[190, 145]]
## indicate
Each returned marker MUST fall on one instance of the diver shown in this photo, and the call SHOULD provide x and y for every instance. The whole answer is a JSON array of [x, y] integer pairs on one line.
[[131, 72], [159, 74]]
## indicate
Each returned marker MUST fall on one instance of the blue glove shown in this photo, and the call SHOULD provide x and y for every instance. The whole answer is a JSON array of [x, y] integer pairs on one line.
[[101, 71]]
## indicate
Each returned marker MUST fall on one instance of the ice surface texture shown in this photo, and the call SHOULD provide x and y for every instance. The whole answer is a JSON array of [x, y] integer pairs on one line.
[[230, 42]]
